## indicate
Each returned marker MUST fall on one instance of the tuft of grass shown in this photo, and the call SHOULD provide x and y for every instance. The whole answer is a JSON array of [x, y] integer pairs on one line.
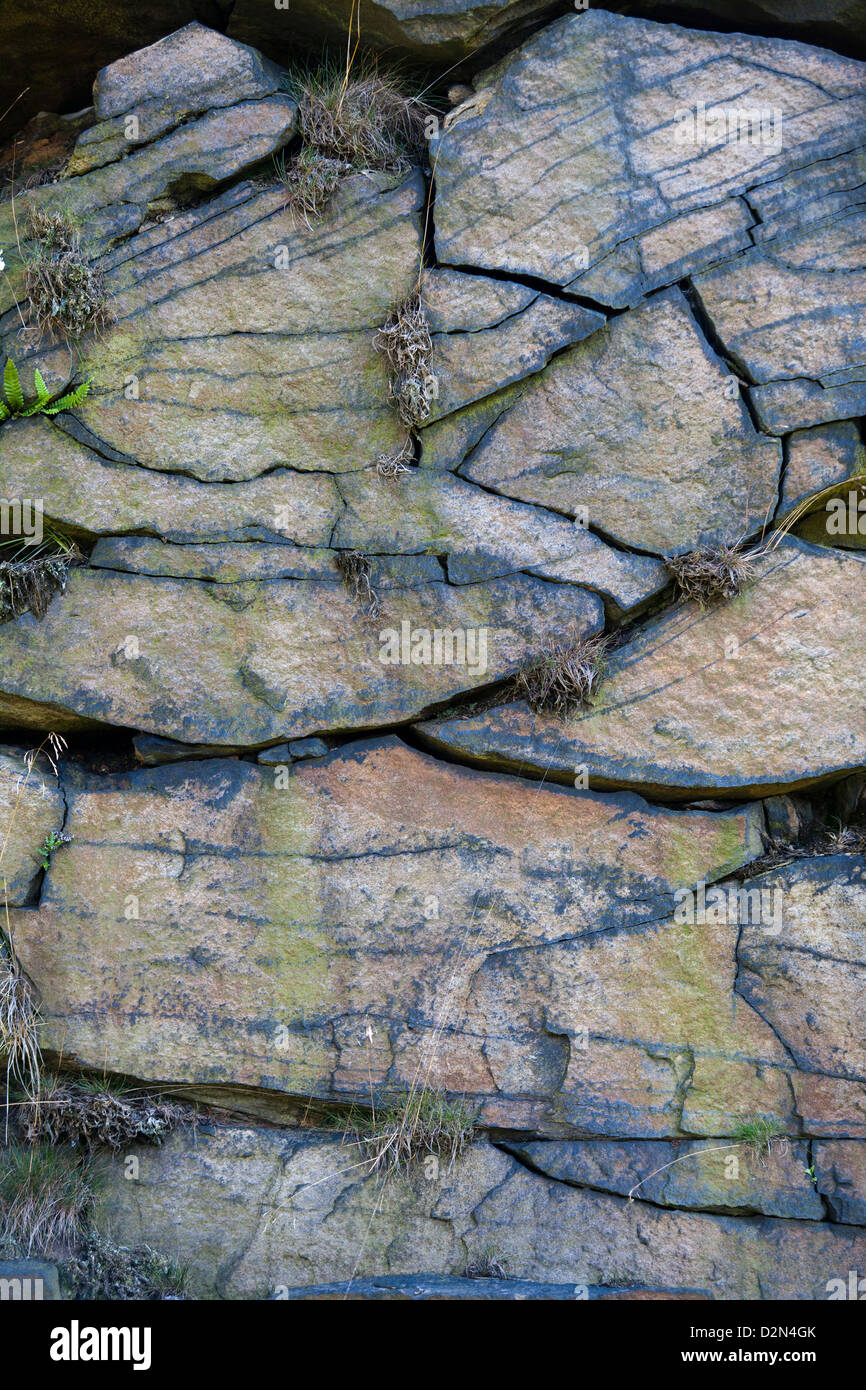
[[99, 1269], [487, 1266], [711, 574], [407, 1129], [19, 1024], [45, 1198], [355, 572], [353, 117], [564, 676], [66, 291], [405, 340], [93, 1113], [758, 1134], [30, 575]]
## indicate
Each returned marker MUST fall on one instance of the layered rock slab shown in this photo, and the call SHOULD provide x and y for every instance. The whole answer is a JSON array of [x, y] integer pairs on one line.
[[763, 693], [575, 151], [242, 927], [258, 1214], [253, 662], [638, 430]]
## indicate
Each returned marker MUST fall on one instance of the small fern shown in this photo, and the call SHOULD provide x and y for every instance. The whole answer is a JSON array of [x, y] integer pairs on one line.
[[16, 406]]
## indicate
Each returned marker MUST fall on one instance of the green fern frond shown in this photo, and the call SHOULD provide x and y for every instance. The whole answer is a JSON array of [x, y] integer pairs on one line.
[[12, 387], [69, 401], [41, 389]]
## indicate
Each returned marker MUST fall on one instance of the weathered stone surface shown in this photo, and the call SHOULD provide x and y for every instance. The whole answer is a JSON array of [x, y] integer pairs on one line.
[[764, 693], [256, 1213], [488, 334], [841, 1169], [783, 314], [638, 426], [226, 663], [264, 947], [808, 980], [112, 202], [484, 536], [817, 458], [691, 1175], [31, 806], [599, 117], [89, 493]]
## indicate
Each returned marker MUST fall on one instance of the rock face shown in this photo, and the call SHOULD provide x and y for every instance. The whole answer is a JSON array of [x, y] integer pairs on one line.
[[313, 849]]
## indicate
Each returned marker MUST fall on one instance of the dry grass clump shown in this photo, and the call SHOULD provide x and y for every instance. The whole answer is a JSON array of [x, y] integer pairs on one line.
[[97, 1113], [30, 575], [19, 1024], [565, 675], [353, 117], [393, 465], [711, 574], [487, 1266], [45, 1198], [355, 572], [66, 291], [408, 1129], [99, 1269], [405, 340]]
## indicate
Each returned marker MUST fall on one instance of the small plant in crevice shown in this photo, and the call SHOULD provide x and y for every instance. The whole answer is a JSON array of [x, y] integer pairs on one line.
[[355, 571], [46, 1196], [395, 464], [16, 406], [711, 574], [66, 290], [487, 1265], [53, 840], [19, 1021], [90, 1113], [31, 574], [759, 1136], [565, 675], [354, 117], [404, 1130], [405, 341], [99, 1269]]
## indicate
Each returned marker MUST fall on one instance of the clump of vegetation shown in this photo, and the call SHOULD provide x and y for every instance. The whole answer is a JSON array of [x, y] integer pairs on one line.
[[393, 465], [407, 1129], [93, 1113], [15, 405], [758, 1135], [355, 572], [565, 675], [30, 575], [53, 840], [19, 1023], [711, 574], [66, 291], [405, 340], [487, 1266], [46, 1196], [99, 1269], [353, 117]]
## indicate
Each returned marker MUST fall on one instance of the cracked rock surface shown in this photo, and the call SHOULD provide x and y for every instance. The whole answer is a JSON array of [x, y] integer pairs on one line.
[[316, 844]]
